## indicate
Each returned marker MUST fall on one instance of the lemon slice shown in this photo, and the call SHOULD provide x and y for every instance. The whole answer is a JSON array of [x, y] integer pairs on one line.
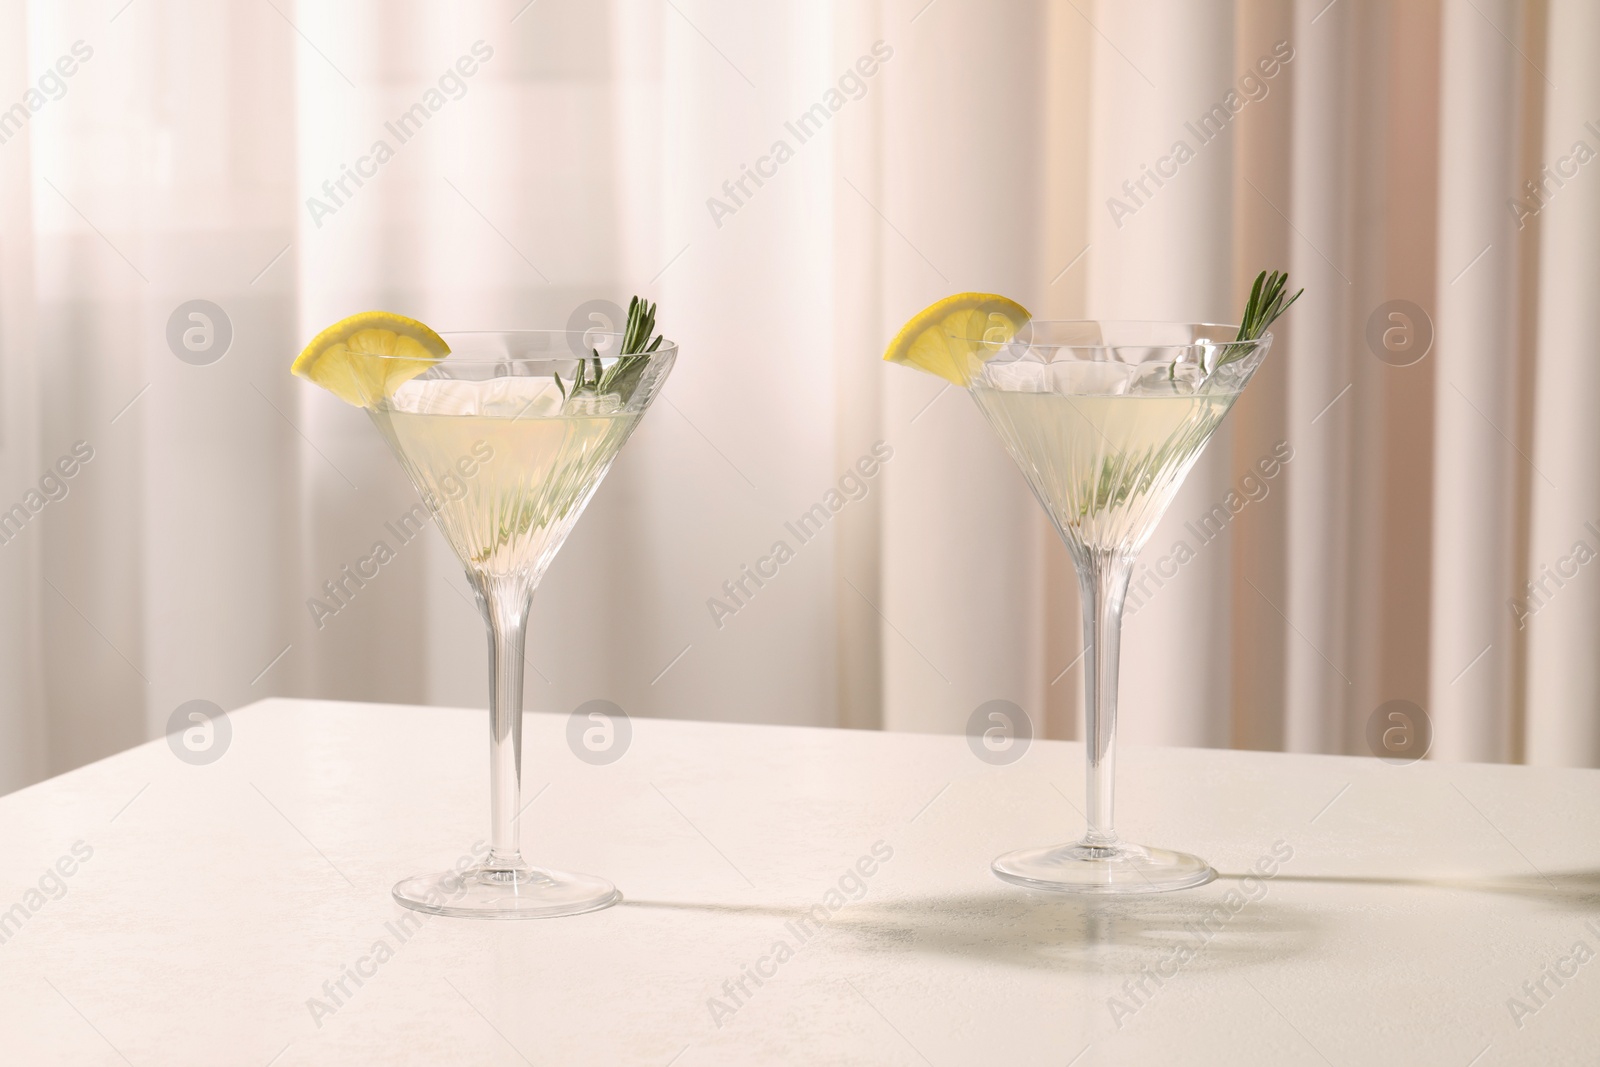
[[340, 358], [949, 338]]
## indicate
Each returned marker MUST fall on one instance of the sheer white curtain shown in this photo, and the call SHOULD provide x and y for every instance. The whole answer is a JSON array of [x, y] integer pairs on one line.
[[557, 152]]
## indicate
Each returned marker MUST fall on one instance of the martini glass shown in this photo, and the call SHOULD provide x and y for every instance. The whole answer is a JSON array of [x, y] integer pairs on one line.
[[1105, 419], [506, 452]]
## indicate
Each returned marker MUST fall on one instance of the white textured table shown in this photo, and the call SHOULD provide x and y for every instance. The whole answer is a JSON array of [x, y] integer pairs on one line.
[[1410, 906]]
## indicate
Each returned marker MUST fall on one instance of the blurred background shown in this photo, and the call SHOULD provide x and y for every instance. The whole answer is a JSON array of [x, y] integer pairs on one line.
[[1426, 169]]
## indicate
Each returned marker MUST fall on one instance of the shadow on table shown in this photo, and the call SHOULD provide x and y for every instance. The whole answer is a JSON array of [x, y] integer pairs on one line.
[[1064, 933], [1579, 889], [1097, 935]]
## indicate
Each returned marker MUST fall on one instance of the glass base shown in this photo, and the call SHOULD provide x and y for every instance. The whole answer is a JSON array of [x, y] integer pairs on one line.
[[505, 892], [1116, 868]]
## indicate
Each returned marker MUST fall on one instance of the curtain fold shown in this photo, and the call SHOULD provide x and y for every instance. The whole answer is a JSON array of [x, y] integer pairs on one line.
[[1260, 565], [962, 595], [1320, 365], [1171, 259], [1425, 534], [24, 724], [1563, 602], [1476, 470]]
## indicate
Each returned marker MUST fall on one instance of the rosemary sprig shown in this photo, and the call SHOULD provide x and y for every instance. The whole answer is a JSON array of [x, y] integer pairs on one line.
[[1124, 476], [556, 500], [639, 340], [1266, 303], [1130, 474]]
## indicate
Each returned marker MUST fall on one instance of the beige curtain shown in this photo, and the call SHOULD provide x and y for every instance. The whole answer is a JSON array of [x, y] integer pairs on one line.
[[23, 738], [1382, 152], [1386, 165]]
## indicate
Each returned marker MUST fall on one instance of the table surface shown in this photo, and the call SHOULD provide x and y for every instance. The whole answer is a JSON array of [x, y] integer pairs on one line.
[[211, 911]]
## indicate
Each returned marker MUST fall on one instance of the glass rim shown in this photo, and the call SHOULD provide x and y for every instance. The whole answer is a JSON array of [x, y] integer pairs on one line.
[[541, 341]]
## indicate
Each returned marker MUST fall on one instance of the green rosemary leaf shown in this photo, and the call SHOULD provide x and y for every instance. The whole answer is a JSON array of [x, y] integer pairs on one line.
[[1265, 305], [1246, 322], [639, 340]]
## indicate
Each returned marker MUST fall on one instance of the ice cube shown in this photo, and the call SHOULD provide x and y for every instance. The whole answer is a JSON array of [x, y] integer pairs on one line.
[[519, 397], [1081, 377], [1190, 374], [526, 397], [592, 405], [1160, 378], [1016, 375], [434, 396]]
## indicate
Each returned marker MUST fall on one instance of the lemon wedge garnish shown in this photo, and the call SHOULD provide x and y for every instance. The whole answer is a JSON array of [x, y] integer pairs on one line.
[[953, 337], [341, 358]]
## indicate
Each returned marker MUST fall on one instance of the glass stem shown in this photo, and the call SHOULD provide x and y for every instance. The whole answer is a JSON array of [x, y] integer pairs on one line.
[[1103, 584], [504, 604]]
